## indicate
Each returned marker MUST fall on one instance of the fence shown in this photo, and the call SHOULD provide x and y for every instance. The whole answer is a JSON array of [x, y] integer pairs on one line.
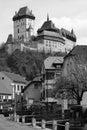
[[55, 125]]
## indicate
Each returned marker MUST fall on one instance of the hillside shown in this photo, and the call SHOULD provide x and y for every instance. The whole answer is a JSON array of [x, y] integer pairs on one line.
[[27, 64]]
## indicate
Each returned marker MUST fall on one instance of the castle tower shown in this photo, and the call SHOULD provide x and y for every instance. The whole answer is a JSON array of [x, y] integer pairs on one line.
[[23, 24]]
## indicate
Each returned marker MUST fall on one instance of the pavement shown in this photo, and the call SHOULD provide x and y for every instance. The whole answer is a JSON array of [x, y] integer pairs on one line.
[[6, 124]]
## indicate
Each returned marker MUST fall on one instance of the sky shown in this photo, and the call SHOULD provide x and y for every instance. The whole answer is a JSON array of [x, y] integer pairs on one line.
[[66, 14]]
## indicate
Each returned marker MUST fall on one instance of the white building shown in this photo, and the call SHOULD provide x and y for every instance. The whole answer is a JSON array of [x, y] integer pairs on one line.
[[52, 39]]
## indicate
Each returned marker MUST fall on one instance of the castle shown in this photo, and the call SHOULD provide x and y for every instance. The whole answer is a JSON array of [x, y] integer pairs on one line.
[[48, 38]]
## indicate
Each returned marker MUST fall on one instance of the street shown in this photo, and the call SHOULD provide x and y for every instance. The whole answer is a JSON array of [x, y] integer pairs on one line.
[[6, 124], [10, 125]]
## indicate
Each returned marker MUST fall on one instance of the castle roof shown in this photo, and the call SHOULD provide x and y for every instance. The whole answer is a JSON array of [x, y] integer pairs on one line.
[[48, 25], [69, 35], [23, 12]]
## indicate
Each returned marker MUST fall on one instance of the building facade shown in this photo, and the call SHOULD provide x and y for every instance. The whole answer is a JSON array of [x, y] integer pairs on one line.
[[75, 69], [32, 92], [51, 71], [14, 83], [23, 24], [52, 39]]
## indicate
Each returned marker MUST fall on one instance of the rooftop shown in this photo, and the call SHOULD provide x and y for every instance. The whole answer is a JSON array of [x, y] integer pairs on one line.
[[15, 77], [69, 35], [48, 25], [35, 80], [48, 62], [23, 12]]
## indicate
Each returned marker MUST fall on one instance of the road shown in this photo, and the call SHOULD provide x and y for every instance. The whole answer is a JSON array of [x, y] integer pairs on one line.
[[10, 125]]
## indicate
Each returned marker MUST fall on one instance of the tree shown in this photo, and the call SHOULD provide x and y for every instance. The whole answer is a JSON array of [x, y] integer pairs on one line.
[[75, 83]]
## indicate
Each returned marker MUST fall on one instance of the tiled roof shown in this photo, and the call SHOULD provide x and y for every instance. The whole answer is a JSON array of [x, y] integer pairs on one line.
[[24, 11], [48, 62], [4, 89], [68, 34], [15, 77], [47, 25]]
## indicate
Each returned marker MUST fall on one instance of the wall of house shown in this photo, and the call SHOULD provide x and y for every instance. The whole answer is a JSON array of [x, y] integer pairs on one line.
[[12, 86], [33, 92], [5, 97], [17, 88], [6, 81]]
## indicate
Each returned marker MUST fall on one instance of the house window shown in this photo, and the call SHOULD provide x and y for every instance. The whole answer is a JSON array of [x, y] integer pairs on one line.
[[35, 85], [49, 75], [18, 87], [21, 88]]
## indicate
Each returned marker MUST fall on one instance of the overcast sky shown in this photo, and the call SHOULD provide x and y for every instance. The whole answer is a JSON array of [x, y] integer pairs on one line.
[[64, 13]]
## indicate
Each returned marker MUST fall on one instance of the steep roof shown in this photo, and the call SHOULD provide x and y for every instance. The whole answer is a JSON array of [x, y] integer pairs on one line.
[[23, 12], [15, 77], [4, 89], [48, 25], [69, 35], [48, 62]]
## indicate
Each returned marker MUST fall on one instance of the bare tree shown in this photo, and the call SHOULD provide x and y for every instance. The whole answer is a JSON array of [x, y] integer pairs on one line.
[[75, 83]]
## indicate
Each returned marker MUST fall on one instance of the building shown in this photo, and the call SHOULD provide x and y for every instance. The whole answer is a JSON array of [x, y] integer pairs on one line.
[[75, 65], [49, 38], [52, 39], [23, 24], [32, 92], [14, 83], [51, 71], [70, 39]]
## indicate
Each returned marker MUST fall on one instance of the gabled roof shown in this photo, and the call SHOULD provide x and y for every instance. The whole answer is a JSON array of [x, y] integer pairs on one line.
[[48, 62], [4, 89], [23, 12], [15, 77]]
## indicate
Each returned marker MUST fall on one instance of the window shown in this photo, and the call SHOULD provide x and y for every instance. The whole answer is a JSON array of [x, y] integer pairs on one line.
[[36, 85], [18, 30], [49, 75], [18, 87], [2, 78], [21, 88]]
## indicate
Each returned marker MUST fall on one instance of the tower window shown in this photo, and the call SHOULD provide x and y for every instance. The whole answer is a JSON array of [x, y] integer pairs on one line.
[[18, 30]]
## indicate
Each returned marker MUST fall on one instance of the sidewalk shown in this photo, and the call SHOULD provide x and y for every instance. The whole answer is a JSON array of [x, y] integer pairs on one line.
[[10, 125]]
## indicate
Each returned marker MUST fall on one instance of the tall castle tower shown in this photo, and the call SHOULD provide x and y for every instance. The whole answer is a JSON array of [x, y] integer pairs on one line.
[[23, 24]]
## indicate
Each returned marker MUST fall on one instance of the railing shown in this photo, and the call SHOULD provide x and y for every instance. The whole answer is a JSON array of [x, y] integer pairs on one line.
[[55, 124]]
